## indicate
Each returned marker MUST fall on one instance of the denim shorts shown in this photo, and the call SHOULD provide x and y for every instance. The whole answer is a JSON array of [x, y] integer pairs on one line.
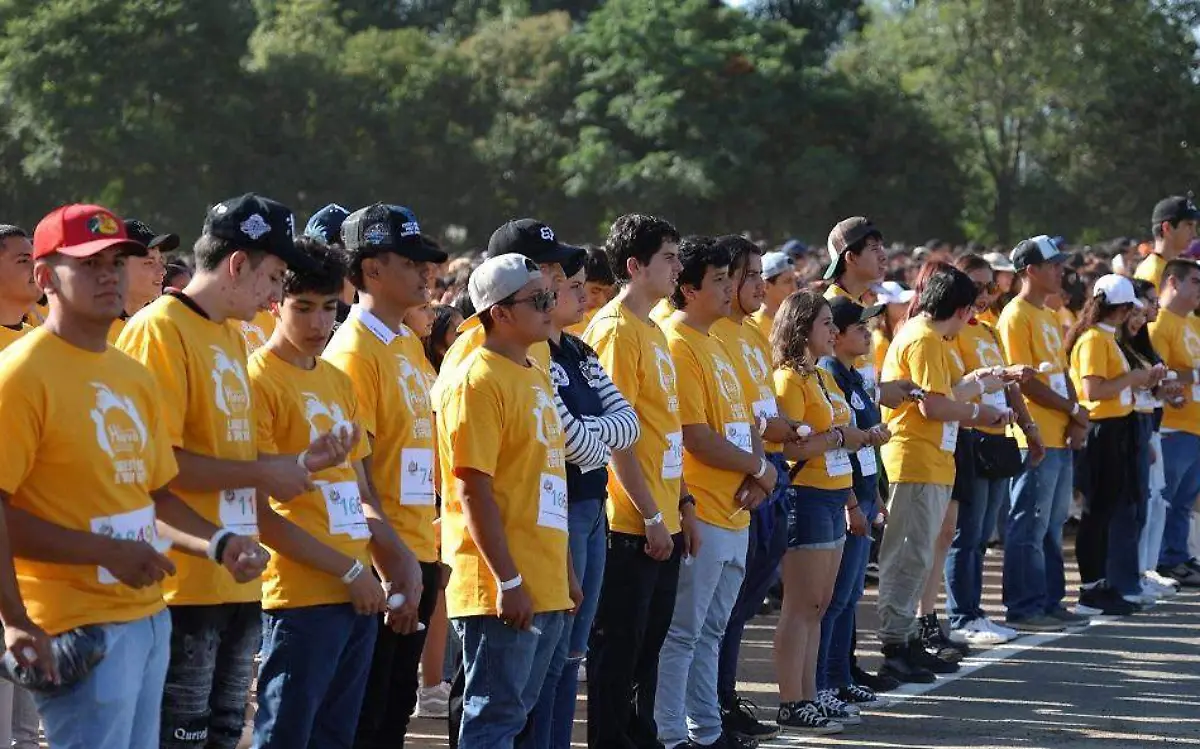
[[816, 518]]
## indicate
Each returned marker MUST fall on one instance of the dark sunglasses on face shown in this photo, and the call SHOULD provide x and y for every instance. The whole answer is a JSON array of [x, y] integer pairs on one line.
[[542, 301], [986, 288]]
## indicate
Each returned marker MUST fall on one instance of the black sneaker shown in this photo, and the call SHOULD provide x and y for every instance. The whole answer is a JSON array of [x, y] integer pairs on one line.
[[1185, 574], [740, 720], [854, 694], [899, 665], [923, 658], [875, 682], [726, 741], [804, 717], [934, 639]]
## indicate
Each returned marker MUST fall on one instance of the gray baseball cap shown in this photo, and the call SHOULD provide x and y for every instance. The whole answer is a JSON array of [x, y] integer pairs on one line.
[[774, 263], [500, 277]]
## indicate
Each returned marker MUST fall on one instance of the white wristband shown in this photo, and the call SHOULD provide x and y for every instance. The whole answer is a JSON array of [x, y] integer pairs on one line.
[[658, 518], [762, 468], [974, 411], [1075, 410], [513, 583], [762, 425], [300, 462], [215, 541], [352, 574]]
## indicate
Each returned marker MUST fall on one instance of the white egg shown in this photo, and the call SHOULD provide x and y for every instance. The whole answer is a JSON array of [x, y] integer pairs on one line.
[[803, 430], [396, 600], [1045, 366]]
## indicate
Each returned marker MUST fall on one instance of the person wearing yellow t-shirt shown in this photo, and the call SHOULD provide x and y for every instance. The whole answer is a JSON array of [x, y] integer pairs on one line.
[[820, 506], [857, 262], [320, 599], [199, 362], [1030, 335], [751, 354], [504, 522], [18, 291], [919, 460], [536, 241], [145, 271], [1107, 541], [651, 516], [779, 275], [1173, 224], [392, 266], [600, 286], [1176, 338], [726, 469], [84, 480]]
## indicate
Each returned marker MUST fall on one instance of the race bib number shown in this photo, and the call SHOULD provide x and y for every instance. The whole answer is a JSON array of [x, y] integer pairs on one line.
[[837, 462], [949, 435], [416, 476], [1058, 383], [765, 407], [238, 512], [673, 456], [866, 461], [136, 525], [552, 502], [343, 503], [738, 433]]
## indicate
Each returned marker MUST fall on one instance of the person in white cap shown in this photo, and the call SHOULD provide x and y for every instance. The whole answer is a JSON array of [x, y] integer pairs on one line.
[[779, 273], [1003, 275], [1106, 545], [504, 512]]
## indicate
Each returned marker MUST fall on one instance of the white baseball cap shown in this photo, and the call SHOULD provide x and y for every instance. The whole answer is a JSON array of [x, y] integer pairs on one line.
[[500, 277], [1116, 290], [774, 263], [999, 263], [890, 292]]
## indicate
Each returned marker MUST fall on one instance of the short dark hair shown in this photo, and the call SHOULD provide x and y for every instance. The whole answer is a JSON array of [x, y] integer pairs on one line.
[[697, 255], [174, 268], [442, 315], [329, 276], [969, 262], [636, 236], [739, 248], [947, 291], [1179, 269], [209, 251], [8, 231], [597, 268]]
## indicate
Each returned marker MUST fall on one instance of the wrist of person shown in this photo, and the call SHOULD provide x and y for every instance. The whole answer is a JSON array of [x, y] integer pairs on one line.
[[511, 584]]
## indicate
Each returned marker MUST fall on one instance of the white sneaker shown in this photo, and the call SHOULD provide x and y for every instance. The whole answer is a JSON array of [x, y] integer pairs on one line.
[[1163, 580], [976, 632], [1141, 599], [433, 702], [1156, 588], [1008, 633]]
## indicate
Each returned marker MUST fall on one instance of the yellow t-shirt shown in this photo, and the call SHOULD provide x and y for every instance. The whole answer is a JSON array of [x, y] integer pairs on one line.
[[471, 337], [864, 364], [710, 394], [114, 332], [579, 328], [1030, 336], [662, 312], [394, 407], [636, 357], [499, 418], [977, 347], [988, 316], [85, 444], [200, 368], [1096, 354], [37, 315], [763, 322], [257, 331], [1177, 340], [1151, 269], [293, 407], [9, 336], [1066, 317], [751, 354], [804, 400], [921, 451], [879, 348]]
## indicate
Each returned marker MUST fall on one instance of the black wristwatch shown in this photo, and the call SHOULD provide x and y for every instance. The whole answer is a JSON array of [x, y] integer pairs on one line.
[[685, 500]]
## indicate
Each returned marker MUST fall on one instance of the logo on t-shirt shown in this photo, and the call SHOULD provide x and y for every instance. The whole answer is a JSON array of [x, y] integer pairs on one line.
[[988, 353], [1052, 339], [666, 377], [1191, 341], [121, 434], [321, 417], [231, 390], [416, 396], [731, 389], [254, 335], [547, 427], [756, 363]]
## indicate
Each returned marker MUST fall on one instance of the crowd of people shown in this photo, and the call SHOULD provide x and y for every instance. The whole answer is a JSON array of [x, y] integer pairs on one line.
[[363, 481]]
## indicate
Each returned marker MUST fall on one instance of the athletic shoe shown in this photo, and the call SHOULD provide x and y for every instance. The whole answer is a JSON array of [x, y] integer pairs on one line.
[[804, 717], [1108, 601], [873, 572], [831, 707], [900, 665], [923, 658], [853, 694], [1008, 633], [936, 643], [1037, 623], [1070, 618], [741, 720], [433, 702], [1159, 591], [1141, 599], [877, 683], [1162, 580], [977, 632], [1184, 574]]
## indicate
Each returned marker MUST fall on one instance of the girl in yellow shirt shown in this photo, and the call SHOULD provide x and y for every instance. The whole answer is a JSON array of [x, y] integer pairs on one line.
[[1107, 542], [820, 506]]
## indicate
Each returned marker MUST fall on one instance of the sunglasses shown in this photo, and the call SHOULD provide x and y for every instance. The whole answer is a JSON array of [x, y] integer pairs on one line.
[[987, 288], [542, 301]]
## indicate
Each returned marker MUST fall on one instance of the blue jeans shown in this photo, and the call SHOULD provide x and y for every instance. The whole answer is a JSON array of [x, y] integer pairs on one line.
[[837, 625], [504, 670], [315, 661], [1034, 582], [1181, 461], [118, 704], [964, 560], [554, 714], [685, 702]]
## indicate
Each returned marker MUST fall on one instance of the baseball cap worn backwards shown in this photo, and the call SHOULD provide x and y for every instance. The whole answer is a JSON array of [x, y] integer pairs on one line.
[[846, 233], [79, 231]]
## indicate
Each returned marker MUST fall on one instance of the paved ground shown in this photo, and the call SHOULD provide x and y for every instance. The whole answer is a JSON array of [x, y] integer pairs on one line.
[[1118, 684]]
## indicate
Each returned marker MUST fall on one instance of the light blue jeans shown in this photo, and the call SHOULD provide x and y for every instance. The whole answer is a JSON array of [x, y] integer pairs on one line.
[[1156, 510], [1181, 463], [504, 670], [119, 703], [1034, 581], [685, 703]]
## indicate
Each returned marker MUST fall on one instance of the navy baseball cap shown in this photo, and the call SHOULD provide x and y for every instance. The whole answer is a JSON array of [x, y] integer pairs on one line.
[[389, 228], [326, 224]]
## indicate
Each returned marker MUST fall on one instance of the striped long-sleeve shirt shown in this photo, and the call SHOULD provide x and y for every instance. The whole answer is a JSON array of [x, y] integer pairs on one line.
[[596, 418]]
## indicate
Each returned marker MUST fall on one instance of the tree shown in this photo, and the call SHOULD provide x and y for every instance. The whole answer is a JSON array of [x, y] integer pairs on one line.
[[826, 22]]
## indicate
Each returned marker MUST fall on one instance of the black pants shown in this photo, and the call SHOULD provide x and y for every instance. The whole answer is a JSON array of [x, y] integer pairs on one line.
[[637, 603], [392, 685], [1111, 504]]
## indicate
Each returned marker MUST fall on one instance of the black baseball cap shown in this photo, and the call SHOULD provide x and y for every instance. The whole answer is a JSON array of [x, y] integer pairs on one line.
[[252, 222], [1175, 208], [847, 312], [1035, 251], [536, 241], [845, 233], [389, 228], [143, 234]]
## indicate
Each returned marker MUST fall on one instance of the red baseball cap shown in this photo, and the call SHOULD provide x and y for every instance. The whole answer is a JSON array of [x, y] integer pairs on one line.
[[79, 231]]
